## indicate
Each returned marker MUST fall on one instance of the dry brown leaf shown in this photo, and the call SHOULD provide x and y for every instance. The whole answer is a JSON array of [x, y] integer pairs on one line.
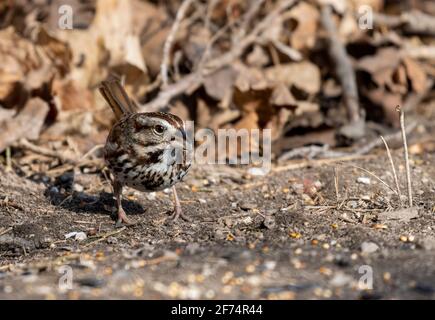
[[258, 57], [331, 89], [72, 96], [56, 50], [29, 67], [303, 75], [6, 114], [416, 74], [27, 124], [18, 58], [385, 60], [72, 123], [204, 117], [388, 101], [305, 34], [400, 76], [348, 26], [281, 96], [277, 123], [375, 5], [218, 84], [339, 6], [423, 147], [251, 79], [113, 24], [153, 34], [306, 107], [112, 41]]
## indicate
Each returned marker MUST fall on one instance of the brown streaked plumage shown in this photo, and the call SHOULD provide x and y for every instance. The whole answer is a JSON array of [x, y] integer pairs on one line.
[[145, 151]]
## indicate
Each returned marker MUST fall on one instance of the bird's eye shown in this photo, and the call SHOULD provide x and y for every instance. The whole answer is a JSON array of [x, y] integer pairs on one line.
[[159, 129]]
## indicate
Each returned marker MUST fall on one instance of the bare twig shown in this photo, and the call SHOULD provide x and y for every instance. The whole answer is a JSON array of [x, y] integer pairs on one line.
[[210, 44], [421, 52], [374, 176], [406, 154], [337, 193], [238, 50], [210, 7], [170, 41], [343, 65], [250, 14], [91, 151], [27, 124], [195, 79], [320, 162], [25, 144], [8, 159], [415, 22], [396, 180], [105, 236], [161, 102], [293, 54], [311, 152], [414, 99], [5, 231], [377, 143]]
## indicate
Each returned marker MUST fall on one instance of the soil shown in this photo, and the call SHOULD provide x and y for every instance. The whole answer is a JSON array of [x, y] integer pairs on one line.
[[313, 232]]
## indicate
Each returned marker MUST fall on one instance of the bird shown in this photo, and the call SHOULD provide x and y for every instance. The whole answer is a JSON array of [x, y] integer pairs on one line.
[[146, 151]]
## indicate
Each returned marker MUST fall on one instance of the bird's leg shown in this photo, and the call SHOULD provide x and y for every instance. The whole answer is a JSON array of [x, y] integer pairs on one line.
[[122, 217], [178, 212]]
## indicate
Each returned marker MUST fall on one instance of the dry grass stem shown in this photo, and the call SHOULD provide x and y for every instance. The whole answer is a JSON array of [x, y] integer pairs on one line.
[[406, 154], [396, 180]]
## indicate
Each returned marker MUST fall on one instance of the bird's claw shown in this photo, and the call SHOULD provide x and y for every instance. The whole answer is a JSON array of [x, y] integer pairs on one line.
[[178, 213], [123, 220]]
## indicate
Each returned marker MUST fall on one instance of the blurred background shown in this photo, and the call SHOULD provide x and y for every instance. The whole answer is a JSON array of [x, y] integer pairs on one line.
[[326, 73]]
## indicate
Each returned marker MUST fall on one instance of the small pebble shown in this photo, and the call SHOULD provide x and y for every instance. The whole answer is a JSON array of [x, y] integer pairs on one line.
[[78, 188], [269, 222], [151, 196], [369, 247], [112, 240], [254, 171], [244, 205], [340, 279], [364, 180]]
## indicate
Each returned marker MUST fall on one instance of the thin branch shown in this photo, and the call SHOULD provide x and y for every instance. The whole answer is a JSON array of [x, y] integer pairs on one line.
[[25, 144], [320, 162], [170, 41], [105, 236], [91, 151], [406, 154], [195, 79], [374, 176], [5, 231], [343, 65], [377, 143], [414, 22]]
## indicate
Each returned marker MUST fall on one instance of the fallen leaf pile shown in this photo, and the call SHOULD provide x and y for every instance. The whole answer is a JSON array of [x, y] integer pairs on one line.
[[224, 64]]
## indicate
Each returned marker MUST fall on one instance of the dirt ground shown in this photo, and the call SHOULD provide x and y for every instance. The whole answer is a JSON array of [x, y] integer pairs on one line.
[[307, 233]]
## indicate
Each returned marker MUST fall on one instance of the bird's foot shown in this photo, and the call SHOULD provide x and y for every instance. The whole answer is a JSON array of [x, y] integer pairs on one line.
[[178, 213], [123, 220]]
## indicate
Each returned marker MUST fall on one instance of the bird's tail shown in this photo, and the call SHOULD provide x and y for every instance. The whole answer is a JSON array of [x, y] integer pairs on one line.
[[117, 98]]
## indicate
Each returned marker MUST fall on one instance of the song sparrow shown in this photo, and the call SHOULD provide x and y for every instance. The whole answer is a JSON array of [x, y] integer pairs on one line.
[[145, 151]]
